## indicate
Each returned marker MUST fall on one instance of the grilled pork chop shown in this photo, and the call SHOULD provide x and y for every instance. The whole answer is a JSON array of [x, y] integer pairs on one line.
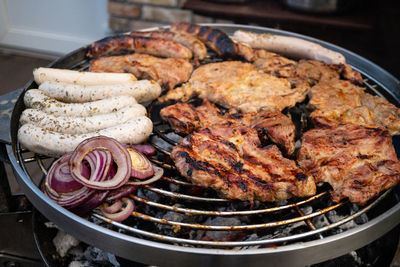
[[312, 71], [231, 161], [241, 86], [273, 125], [358, 162], [341, 101], [168, 72]]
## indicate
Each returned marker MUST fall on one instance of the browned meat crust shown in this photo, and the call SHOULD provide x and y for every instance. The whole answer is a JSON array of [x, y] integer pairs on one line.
[[238, 85], [195, 45], [341, 101], [168, 72], [216, 39], [152, 46], [312, 71], [357, 162], [273, 125], [231, 161]]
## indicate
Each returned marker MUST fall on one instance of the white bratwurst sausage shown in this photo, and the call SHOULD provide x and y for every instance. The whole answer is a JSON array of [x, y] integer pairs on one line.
[[42, 75], [80, 125], [143, 91], [290, 46], [37, 99], [41, 141]]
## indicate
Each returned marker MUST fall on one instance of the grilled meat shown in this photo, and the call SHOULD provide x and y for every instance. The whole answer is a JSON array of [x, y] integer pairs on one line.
[[341, 101], [312, 71], [241, 86], [231, 161], [357, 162], [146, 45], [168, 72], [195, 45], [272, 125], [216, 39]]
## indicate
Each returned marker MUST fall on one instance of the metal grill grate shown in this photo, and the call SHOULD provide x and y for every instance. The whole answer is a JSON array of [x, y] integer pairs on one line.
[[270, 217]]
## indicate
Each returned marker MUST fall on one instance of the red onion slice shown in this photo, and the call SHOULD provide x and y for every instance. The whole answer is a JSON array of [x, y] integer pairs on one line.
[[59, 177], [119, 154], [99, 162], [67, 198], [158, 173], [148, 150], [120, 192], [121, 215], [141, 166]]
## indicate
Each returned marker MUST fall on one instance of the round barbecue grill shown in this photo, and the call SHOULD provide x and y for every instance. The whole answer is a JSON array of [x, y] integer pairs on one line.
[[177, 223]]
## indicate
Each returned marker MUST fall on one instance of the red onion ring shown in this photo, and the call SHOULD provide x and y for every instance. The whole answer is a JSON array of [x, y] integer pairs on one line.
[[71, 198], [115, 207], [141, 166], [99, 162], [119, 154], [158, 173], [123, 214], [148, 150], [120, 192]]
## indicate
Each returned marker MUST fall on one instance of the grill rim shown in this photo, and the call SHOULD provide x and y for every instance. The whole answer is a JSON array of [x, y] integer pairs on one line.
[[294, 254]]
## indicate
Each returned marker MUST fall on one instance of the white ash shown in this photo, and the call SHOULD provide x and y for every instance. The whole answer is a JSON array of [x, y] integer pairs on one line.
[[320, 221], [174, 187], [222, 221], [334, 217], [93, 257], [289, 229], [50, 225], [63, 242], [306, 209], [147, 194]]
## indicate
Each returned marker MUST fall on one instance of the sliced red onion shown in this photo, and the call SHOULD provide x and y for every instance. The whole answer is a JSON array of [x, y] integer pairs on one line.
[[119, 154], [158, 173], [95, 200], [141, 166], [148, 150], [121, 215], [71, 194], [115, 207], [99, 162], [59, 177], [120, 192]]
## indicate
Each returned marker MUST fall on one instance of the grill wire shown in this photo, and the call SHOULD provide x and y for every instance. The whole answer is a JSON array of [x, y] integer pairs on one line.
[[277, 215]]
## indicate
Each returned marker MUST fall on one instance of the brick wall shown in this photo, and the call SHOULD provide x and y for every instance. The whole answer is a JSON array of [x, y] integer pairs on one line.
[[130, 15]]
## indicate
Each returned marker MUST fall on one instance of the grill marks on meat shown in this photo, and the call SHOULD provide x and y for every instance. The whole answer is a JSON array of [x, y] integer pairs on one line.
[[273, 125], [357, 162], [147, 45], [341, 101], [168, 72], [241, 86], [216, 39], [231, 161]]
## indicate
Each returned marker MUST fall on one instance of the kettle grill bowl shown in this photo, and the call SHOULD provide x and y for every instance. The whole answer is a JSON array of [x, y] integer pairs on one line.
[[159, 253]]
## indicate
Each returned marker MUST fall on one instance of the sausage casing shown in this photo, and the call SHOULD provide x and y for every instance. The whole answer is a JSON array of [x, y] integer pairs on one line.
[[146, 45]]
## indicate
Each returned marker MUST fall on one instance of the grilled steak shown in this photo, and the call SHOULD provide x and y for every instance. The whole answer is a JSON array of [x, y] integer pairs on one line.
[[185, 118], [241, 86], [357, 162], [168, 72], [341, 101], [231, 161]]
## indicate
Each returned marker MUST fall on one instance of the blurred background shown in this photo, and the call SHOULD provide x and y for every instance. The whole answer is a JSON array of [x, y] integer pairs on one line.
[[33, 33]]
